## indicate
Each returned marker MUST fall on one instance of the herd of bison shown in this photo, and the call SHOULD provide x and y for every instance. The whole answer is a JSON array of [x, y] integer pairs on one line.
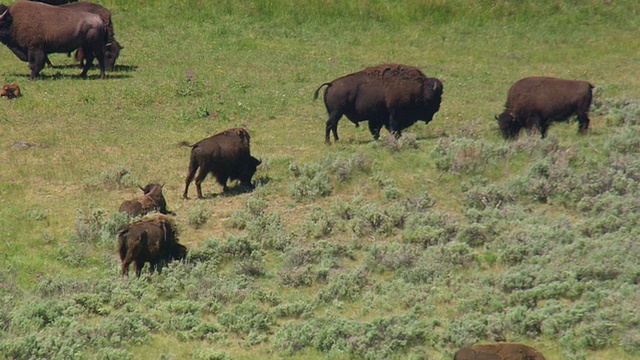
[[393, 96]]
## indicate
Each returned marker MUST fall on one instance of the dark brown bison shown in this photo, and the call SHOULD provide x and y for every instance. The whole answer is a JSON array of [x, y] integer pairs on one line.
[[152, 200], [225, 155], [153, 240], [113, 47], [534, 103], [10, 91], [391, 95], [31, 30], [499, 351]]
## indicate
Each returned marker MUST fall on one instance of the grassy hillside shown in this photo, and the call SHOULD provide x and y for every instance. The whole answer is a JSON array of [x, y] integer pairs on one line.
[[361, 249]]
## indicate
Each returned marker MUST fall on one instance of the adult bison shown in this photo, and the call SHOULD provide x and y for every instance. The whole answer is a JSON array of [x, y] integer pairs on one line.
[[113, 47], [31, 30], [152, 240], [226, 155], [390, 95], [55, 2], [534, 103], [499, 351], [152, 200]]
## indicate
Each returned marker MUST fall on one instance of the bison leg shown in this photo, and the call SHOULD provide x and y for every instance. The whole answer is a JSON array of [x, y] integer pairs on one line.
[[199, 179], [193, 167], [36, 62], [393, 125], [332, 126], [222, 180], [125, 267], [374, 128], [138, 265], [583, 121]]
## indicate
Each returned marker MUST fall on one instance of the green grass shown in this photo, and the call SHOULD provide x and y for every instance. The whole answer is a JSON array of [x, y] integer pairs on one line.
[[358, 249]]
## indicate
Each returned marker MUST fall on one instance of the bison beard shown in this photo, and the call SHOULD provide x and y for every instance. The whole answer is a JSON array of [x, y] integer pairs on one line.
[[499, 351], [225, 155], [534, 103], [31, 30], [151, 240], [390, 95]]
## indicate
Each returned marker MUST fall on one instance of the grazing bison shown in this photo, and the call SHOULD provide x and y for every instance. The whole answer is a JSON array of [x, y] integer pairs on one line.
[[112, 49], [391, 95], [226, 156], [31, 30], [499, 351], [534, 102], [151, 240], [152, 200], [10, 91]]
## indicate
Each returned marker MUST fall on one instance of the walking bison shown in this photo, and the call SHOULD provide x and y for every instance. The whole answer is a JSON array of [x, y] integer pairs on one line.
[[152, 240], [152, 200], [534, 103], [499, 351], [31, 30], [390, 95], [226, 155]]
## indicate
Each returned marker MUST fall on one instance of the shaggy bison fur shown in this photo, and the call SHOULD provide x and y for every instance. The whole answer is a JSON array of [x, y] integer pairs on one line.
[[534, 103], [152, 240], [225, 155], [390, 95], [499, 351]]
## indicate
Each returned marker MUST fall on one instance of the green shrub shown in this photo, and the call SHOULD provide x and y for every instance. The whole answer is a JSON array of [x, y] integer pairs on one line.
[[311, 181], [198, 214]]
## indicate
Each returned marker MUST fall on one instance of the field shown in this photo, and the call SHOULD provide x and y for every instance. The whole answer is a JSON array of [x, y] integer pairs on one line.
[[362, 249]]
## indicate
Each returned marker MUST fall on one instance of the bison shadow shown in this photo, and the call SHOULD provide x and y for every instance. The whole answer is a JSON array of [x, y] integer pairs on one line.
[[58, 76], [234, 190]]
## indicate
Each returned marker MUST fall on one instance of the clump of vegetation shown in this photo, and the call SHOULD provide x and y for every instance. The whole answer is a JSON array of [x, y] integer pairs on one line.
[[198, 214]]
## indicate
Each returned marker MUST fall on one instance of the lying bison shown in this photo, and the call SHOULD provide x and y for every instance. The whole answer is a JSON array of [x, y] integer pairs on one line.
[[152, 240], [10, 91], [499, 351], [391, 95], [534, 103], [225, 155], [31, 30], [152, 200]]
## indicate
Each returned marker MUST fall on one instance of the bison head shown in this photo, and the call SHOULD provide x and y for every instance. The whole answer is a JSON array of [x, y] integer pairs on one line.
[[111, 53], [248, 171], [5, 23], [509, 125], [432, 97]]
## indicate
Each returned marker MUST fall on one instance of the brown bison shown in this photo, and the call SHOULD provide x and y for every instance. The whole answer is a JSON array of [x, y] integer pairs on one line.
[[534, 103], [499, 351], [151, 240], [31, 30], [225, 155], [10, 91], [113, 47], [152, 200], [391, 95]]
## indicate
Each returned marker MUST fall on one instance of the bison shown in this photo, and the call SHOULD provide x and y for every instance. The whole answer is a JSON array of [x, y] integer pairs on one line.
[[152, 200], [55, 2], [31, 30], [499, 351], [113, 47], [534, 103], [225, 155], [390, 95], [10, 91], [153, 240]]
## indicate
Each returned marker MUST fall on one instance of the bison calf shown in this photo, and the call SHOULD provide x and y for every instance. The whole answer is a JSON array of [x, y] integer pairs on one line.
[[10, 91], [225, 155], [535, 102], [499, 351], [152, 200], [391, 95], [152, 240]]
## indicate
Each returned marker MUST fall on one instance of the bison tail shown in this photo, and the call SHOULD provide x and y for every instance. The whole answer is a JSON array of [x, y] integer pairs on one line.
[[122, 244], [184, 143], [315, 94]]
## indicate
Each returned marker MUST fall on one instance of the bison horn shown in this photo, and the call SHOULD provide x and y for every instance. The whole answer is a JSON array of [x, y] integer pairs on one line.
[[141, 188], [3, 14]]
